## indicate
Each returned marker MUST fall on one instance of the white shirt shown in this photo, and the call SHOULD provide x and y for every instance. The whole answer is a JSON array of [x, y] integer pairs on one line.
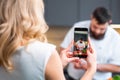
[[29, 62], [107, 51], [81, 45]]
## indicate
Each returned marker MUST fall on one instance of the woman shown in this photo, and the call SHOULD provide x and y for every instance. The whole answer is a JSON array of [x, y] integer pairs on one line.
[[24, 51]]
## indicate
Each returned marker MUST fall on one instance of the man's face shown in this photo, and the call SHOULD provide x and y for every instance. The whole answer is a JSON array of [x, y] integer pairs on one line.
[[80, 41], [97, 31]]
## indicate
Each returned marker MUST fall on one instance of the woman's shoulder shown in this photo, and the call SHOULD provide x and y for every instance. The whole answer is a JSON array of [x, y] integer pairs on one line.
[[35, 54], [41, 45], [38, 49]]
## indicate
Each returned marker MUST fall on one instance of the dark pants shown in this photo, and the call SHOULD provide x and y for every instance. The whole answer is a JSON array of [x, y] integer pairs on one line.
[[67, 75]]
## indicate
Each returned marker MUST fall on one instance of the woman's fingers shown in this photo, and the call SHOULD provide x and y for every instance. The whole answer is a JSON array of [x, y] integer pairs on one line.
[[90, 45], [70, 46]]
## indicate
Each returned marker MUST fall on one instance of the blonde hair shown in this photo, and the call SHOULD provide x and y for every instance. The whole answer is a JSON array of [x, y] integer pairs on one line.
[[19, 20]]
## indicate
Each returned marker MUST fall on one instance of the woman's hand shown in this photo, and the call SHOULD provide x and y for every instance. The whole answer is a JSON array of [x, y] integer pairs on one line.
[[91, 58], [67, 56], [89, 62]]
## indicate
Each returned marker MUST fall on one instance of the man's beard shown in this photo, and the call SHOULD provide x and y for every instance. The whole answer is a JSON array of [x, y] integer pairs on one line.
[[97, 37]]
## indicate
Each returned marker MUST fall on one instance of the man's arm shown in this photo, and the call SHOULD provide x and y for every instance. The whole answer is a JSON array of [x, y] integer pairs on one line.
[[102, 67], [114, 60], [108, 68], [67, 39]]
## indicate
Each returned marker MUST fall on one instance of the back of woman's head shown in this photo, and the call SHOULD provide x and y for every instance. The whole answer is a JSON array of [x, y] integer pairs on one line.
[[19, 20]]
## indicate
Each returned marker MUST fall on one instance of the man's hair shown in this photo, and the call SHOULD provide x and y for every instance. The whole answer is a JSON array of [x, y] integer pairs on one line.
[[102, 15]]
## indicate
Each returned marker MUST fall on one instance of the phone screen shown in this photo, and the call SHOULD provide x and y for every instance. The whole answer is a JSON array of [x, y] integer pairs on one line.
[[80, 42]]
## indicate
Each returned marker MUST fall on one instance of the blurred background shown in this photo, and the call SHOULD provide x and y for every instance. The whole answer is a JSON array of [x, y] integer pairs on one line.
[[62, 14], [67, 12]]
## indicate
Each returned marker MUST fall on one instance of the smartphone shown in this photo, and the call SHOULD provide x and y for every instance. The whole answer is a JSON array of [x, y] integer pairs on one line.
[[80, 42]]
